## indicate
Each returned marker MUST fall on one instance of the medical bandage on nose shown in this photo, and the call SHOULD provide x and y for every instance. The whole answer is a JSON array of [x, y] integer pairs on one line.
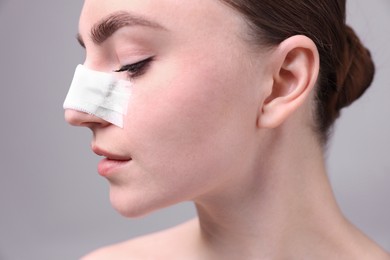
[[99, 94]]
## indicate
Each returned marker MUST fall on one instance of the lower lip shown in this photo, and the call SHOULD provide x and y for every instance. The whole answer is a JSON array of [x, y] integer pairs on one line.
[[107, 167]]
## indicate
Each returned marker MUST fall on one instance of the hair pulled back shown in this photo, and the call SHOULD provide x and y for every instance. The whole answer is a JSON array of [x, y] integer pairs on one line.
[[346, 67]]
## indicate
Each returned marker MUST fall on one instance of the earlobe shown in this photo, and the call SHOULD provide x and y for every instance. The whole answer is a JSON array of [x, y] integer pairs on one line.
[[295, 73]]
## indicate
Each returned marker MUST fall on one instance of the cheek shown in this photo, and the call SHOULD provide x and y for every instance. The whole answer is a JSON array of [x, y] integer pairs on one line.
[[188, 124]]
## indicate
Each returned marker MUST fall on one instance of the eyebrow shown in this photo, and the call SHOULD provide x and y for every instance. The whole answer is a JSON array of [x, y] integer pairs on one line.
[[105, 28]]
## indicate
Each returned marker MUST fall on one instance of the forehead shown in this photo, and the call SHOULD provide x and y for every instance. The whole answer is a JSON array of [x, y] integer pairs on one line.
[[171, 14]]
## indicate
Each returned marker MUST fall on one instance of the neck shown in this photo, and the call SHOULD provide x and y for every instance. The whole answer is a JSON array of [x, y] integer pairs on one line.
[[282, 206]]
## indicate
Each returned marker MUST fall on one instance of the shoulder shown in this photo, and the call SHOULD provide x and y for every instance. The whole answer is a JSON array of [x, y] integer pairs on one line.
[[147, 247], [125, 250]]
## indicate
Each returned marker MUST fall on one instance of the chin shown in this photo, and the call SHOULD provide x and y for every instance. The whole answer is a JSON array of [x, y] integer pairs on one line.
[[131, 206]]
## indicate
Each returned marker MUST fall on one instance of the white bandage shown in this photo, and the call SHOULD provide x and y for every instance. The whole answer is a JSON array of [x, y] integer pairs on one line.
[[99, 94]]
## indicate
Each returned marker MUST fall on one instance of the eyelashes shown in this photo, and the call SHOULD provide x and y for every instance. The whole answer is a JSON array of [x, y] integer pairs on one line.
[[136, 69]]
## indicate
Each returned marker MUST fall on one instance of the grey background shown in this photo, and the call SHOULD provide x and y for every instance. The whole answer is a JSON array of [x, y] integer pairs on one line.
[[54, 205]]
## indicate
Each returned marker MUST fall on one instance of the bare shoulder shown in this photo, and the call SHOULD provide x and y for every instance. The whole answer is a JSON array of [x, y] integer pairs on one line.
[[150, 246], [371, 251], [381, 254]]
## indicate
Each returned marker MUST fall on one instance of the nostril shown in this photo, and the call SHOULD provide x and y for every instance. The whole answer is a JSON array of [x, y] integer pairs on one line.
[[79, 118]]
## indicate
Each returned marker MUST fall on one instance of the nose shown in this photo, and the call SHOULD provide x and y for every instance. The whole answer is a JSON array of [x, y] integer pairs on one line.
[[78, 118]]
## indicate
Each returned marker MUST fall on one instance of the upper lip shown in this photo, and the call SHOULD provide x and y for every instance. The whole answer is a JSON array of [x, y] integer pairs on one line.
[[111, 156]]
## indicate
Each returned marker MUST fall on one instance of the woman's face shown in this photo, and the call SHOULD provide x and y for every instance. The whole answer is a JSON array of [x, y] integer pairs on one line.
[[190, 128]]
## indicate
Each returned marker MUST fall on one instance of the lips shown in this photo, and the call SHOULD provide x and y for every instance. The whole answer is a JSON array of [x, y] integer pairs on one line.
[[110, 156], [113, 163]]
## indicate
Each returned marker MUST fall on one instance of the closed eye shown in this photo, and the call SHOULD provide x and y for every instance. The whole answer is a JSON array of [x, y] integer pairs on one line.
[[136, 69]]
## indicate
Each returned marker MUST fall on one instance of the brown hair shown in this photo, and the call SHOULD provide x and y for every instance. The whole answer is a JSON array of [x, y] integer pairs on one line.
[[346, 67]]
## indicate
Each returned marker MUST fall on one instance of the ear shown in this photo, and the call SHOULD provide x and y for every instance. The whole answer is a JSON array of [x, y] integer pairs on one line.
[[295, 71]]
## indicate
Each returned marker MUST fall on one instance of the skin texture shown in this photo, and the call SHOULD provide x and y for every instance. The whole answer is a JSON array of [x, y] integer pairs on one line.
[[223, 123]]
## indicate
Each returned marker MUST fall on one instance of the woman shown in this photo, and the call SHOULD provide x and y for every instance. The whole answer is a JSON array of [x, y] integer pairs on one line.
[[231, 105]]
